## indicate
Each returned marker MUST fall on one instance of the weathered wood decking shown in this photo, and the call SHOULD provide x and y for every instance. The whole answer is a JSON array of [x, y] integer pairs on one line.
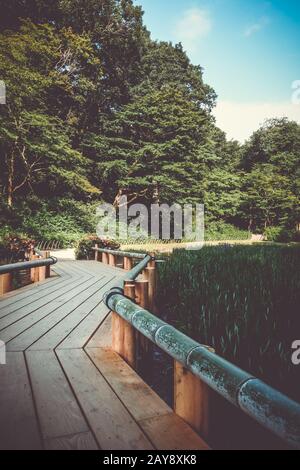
[[63, 387]]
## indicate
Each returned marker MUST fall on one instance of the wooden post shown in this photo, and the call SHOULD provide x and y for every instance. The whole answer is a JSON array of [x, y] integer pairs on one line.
[[142, 292], [142, 299], [105, 258], [192, 399], [42, 273], [112, 259], [48, 268], [98, 254], [34, 272], [128, 263], [123, 334], [5, 283], [152, 263], [150, 276]]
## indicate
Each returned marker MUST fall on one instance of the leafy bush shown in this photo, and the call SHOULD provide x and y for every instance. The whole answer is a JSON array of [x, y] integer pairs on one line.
[[243, 301], [62, 220], [281, 235], [218, 231], [84, 248], [15, 247], [47, 226]]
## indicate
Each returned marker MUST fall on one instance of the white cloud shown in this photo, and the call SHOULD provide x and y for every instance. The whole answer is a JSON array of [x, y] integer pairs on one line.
[[256, 27], [194, 25], [240, 120]]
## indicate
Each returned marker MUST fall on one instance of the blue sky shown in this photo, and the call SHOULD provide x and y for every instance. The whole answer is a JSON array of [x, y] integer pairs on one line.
[[250, 52]]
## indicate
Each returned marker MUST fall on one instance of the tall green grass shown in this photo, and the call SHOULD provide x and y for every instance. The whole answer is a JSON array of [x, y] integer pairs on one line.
[[244, 301]]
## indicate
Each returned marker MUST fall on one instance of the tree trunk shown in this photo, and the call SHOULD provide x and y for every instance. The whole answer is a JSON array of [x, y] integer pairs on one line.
[[156, 195], [10, 180]]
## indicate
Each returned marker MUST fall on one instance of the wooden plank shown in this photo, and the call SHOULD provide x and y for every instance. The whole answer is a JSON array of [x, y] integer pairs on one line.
[[19, 425], [112, 425], [82, 333], [164, 429], [103, 336], [104, 268], [138, 397], [62, 271], [40, 328], [170, 432], [92, 266], [41, 310], [54, 336], [58, 410], [30, 290], [35, 301], [82, 441], [80, 336]]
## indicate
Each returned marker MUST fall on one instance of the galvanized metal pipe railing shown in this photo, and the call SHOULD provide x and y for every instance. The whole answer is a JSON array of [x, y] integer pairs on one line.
[[267, 406], [38, 253], [13, 267], [123, 254]]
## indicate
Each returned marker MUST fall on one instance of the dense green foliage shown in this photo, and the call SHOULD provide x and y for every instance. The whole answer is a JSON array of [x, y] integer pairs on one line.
[[96, 109], [84, 247], [243, 301]]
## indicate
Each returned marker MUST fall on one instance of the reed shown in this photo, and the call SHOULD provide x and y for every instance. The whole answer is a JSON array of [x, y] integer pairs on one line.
[[243, 301]]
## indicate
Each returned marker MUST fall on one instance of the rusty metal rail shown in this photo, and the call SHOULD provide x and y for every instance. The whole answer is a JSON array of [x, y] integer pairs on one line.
[[273, 410]]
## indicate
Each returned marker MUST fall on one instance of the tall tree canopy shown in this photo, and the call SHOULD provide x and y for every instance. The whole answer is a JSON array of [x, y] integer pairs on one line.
[[96, 109], [45, 83], [271, 160]]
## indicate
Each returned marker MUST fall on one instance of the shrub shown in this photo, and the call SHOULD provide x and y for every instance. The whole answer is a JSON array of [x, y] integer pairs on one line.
[[48, 226], [15, 247], [84, 248], [280, 235], [218, 231]]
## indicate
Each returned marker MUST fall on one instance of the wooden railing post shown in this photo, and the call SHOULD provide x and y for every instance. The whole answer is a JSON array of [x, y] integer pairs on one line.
[[150, 276], [42, 273], [142, 292], [142, 299], [112, 259], [128, 263], [192, 399], [105, 258], [152, 263], [98, 254], [34, 272], [123, 334], [48, 268], [5, 283]]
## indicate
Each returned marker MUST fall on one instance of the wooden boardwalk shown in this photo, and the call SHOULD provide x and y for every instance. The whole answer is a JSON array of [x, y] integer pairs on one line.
[[63, 387]]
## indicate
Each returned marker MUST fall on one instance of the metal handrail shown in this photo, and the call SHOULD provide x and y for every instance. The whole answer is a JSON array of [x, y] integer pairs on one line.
[[123, 254], [39, 253], [13, 267], [270, 408]]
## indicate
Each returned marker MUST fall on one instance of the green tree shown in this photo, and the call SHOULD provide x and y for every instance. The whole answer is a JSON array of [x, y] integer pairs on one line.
[[40, 69], [271, 159], [153, 149]]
